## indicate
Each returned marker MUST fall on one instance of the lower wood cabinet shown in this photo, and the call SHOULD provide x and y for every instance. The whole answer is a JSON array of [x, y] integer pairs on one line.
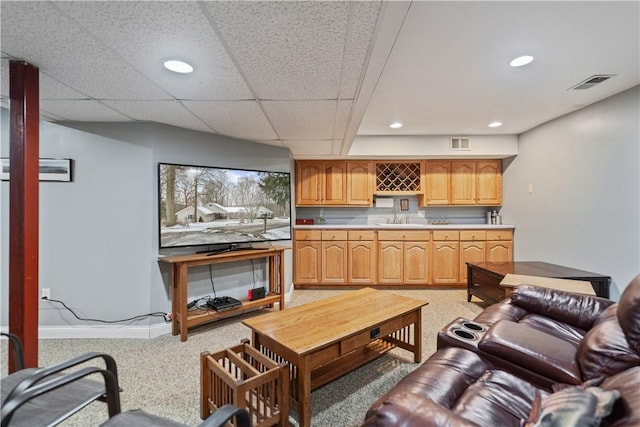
[[403, 257], [362, 255], [444, 257], [394, 257], [499, 246], [472, 249], [307, 262]]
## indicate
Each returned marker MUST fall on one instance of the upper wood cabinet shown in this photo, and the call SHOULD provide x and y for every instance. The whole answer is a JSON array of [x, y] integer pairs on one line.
[[462, 182], [321, 183], [435, 182], [437, 177], [359, 183], [489, 182]]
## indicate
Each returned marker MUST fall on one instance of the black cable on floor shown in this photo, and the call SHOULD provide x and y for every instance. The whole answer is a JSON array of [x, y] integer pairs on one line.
[[141, 316]]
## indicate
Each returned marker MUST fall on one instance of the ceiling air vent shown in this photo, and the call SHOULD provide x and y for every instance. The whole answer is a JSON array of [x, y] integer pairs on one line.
[[591, 81], [459, 144]]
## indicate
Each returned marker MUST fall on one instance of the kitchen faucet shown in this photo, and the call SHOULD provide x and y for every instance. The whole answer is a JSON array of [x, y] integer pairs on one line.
[[395, 219]]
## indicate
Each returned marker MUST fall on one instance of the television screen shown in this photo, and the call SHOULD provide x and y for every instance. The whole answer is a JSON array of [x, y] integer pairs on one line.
[[204, 205]]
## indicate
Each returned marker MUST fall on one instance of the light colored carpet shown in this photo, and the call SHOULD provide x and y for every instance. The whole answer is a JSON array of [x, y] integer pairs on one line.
[[161, 375]]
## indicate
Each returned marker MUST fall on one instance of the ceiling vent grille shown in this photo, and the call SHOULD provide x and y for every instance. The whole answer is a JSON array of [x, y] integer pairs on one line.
[[458, 144], [591, 81]]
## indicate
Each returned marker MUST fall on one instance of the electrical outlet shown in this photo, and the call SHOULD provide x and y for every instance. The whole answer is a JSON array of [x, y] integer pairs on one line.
[[46, 293], [422, 214]]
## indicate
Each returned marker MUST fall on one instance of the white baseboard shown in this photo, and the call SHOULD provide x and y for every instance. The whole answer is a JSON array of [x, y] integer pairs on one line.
[[67, 332], [112, 331]]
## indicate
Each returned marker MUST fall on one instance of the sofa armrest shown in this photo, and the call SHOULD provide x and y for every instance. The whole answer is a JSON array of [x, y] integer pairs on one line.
[[575, 309], [409, 409], [503, 310], [532, 349]]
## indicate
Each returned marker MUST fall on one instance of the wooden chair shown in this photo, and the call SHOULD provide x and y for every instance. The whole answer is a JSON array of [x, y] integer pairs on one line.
[[49, 409]]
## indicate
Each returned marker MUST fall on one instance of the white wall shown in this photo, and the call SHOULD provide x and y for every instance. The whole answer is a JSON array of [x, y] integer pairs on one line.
[[584, 211], [98, 234]]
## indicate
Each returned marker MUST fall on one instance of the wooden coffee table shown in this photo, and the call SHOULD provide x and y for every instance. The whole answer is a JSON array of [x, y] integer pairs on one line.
[[326, 339]]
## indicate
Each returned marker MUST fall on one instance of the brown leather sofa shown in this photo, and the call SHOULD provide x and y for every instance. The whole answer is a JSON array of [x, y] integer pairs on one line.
[[527, 358]]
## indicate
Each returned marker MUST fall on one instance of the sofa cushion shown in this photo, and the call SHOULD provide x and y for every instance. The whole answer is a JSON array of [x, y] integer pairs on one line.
[[629, 313], [605, 351], [553, 327], [532, 349], [575, 309], [452, 386]]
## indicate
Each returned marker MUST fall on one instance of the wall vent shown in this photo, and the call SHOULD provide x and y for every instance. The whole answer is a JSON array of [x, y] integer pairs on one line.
[[459, 144], [591, 81]]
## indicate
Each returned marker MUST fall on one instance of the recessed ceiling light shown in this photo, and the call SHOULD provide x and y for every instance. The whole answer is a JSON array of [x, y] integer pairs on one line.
[[521, 60], [495, 124], [178, 66], [395, 125]]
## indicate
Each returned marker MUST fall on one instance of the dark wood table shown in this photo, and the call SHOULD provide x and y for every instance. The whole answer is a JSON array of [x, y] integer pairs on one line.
[[483, 278]]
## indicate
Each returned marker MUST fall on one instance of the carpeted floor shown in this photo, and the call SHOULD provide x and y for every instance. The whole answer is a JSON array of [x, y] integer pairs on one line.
[[161, 375]]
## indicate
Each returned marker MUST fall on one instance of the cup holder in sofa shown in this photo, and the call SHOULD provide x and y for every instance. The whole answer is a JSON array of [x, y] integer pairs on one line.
[[474, 326], [461, 333]]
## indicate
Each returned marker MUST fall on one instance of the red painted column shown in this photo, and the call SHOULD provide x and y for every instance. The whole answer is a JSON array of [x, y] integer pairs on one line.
[[24, 129]]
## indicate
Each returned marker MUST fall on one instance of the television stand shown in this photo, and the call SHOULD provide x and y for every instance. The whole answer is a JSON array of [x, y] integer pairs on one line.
[[235, 248], [182, 319]]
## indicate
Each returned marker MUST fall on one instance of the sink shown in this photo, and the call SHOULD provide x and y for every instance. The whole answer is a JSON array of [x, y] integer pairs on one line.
[[384, 224]]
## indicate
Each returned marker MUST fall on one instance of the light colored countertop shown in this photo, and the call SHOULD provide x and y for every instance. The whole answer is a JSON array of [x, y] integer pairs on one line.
[[406, 226]]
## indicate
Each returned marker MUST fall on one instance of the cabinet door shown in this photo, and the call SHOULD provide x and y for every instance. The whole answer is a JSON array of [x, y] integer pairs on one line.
[[307, 262], [463, 182], [308, 183], [359, 183], [390, 262], [416, 263], [489, 182], [437, 182], [470, 252], [445, 263], [499, 251], [334, 183], [362, 262], [334, 262]]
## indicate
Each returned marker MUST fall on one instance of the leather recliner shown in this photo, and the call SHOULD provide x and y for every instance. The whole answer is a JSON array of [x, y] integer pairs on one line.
[[496, 380]]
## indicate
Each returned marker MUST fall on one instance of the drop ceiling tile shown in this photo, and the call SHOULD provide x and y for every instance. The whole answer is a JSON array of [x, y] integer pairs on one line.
[[342, 118], [361, 27], [147, 33], [50, 88], [82, 111], [42, 35], [302, 119], [239, 119], [169, 111], [287, 50], [309, 148]]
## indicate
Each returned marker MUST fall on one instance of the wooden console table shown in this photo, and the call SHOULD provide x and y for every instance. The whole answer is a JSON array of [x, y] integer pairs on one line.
[[182, 320], [483, 278]]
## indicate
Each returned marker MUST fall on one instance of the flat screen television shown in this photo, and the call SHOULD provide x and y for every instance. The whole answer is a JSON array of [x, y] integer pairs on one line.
[[222, 208]]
